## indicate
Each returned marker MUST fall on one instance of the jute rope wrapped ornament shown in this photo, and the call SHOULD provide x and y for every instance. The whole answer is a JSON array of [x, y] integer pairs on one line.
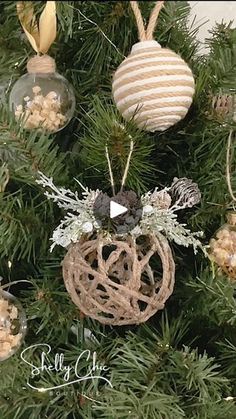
[[121, 289], [41, 98], [153, 85]]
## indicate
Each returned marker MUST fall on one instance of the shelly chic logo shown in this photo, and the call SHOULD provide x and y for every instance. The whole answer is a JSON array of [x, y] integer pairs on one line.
[[84, 368]]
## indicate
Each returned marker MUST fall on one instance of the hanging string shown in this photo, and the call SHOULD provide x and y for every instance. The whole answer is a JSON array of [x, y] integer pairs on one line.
[[228, 166], [139, 20], [146, 35], [131, 149], [127, 165], [110, 171], [153, 19]]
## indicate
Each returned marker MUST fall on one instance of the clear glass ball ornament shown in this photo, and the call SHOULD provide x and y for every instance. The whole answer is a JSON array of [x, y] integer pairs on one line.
[[223, 246], [13, 325], [42, 98]]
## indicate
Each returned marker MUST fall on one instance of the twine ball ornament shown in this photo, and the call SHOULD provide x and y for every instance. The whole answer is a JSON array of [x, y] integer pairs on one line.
[[111, 280], [153, 85]]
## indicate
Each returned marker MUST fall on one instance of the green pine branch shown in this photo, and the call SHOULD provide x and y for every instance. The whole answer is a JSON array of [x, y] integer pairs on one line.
[[105, 127], [27, 152], [24, 225]]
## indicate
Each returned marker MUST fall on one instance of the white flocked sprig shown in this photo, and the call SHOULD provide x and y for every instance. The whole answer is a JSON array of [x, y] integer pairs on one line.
[[159, 212]]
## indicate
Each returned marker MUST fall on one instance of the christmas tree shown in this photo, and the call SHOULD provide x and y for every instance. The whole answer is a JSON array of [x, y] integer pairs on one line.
[[180, 363]]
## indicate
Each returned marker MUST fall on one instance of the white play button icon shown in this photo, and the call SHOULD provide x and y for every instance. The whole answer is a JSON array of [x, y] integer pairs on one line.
[[116, 209]]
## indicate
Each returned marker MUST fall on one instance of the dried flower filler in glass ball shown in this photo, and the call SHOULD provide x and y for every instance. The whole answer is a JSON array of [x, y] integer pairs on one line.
[[12, 325], [41, 111], [223, 248], [42, 98]]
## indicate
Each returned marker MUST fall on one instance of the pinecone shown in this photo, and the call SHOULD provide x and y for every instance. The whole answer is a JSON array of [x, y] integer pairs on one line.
[[102, 206], [124, 222], [223, 106], [160, 199], [129, 219], [185, 192]]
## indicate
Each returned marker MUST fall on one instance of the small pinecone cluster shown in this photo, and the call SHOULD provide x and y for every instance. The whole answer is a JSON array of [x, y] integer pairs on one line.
[[185, 192], [223, 106], [124, 222]]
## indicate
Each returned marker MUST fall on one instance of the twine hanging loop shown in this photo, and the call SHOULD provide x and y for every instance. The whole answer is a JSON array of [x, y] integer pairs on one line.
[[146, 34]]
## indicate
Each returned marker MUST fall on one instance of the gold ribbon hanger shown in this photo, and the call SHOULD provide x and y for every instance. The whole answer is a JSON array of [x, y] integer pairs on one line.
[[40, 34]]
